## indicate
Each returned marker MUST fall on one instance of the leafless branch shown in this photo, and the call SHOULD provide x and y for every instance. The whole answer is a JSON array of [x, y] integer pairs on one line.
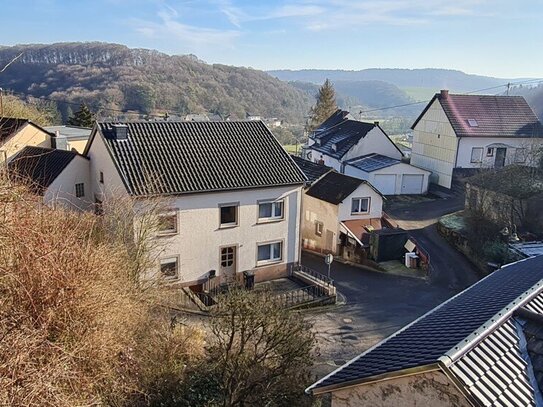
[[10, 62]]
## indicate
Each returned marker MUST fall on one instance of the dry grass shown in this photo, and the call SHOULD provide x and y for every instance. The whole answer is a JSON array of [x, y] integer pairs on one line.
[[75, 329]]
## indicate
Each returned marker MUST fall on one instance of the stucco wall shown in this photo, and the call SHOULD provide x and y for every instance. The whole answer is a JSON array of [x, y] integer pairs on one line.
[[363, 191], [199, 239], [468, 143], [62, 189], [431, 389], [374, 142], [316, 210], [78, 145], [27, 136], [435, 144]]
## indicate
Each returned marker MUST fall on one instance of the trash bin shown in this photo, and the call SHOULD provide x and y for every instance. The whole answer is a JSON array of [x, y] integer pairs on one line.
[[249, 278]]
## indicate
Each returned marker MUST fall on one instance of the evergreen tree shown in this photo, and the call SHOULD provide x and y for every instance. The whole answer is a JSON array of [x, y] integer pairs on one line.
[[326, 105], [82, 118]]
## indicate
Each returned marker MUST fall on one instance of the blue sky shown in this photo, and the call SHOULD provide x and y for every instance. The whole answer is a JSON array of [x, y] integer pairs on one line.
[[490, 37]]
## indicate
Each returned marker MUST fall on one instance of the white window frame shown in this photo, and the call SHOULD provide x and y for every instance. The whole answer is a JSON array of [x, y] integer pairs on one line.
[[274, 204], [524, 154], [360, 199], [271, 260], [229, 224], [82, 186], [168, 232], [478, 159], [319, 228], [169, 260], [490, 151]]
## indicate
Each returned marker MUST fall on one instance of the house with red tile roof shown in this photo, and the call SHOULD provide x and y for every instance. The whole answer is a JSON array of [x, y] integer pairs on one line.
[[457, 132]]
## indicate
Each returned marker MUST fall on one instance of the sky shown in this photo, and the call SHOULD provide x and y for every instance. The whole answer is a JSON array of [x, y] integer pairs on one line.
[[501, 38]]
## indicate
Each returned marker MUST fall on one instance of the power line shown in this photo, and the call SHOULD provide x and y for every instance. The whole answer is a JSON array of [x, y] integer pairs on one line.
[[465, 93]]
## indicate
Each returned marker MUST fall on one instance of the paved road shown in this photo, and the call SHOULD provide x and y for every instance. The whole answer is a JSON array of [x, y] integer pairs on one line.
[[378, 304]]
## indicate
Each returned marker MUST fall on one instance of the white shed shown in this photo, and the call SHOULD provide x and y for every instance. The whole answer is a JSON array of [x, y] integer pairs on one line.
[[389, 175]]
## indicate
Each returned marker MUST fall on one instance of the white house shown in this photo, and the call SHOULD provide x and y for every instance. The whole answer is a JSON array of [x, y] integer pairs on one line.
[[233, 194], [365, 151], [474, 131], [388, 175], [61, 177]]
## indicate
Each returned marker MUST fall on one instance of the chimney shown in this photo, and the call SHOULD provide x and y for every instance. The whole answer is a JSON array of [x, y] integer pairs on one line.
[[119, 131], [444, 93], [376, 123]]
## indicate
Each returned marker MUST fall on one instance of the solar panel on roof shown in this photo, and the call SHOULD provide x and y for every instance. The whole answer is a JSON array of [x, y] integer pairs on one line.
[[374, 162]]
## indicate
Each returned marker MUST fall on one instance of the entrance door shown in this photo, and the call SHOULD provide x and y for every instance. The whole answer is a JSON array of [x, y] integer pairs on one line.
[[499, 162], [228, 263]]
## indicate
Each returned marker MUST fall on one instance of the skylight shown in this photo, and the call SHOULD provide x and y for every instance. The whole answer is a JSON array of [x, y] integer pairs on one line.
[[473, 123]]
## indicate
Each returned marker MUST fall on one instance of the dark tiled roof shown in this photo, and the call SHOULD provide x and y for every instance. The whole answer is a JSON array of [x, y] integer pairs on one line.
[[334, 187], [372, 162], [446, 333], [9, 126], [488, 116], [40, 165], [343, 136], [337, 117], [188, 157], [312, 171]]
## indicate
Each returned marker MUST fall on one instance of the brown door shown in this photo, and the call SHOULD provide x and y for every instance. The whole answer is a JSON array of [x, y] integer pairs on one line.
[[228, 263]]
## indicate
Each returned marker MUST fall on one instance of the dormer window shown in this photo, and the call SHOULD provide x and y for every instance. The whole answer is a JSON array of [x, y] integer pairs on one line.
[[318, 141], [473, 123], [334, 147]]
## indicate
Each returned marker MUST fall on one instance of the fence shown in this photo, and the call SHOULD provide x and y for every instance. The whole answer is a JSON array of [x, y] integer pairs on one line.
[[304, 295]]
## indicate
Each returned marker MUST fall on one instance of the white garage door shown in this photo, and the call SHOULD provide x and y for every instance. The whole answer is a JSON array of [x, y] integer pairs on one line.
[[385, 183], [412, 184]]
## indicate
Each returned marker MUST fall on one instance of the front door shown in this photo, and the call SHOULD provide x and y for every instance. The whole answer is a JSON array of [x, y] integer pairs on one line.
[[499, 162], [228, 263]]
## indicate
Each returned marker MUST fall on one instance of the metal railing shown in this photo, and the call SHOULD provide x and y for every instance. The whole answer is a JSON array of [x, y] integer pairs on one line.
[[302, 295], [323, 279]]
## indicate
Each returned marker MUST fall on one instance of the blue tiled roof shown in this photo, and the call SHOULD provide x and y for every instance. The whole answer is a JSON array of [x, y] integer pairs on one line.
[[372, 162], [448, 334]]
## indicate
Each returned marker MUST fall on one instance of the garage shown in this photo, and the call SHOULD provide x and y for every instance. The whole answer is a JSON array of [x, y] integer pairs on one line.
[[412, 183], [385, 183]]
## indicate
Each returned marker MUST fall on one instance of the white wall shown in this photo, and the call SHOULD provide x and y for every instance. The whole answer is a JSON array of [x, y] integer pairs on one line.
[[328, 161], [435, 144], [363, 191], [399, 170], [374, 142], [467, 143], [199, 237], [100, 160], [62, 189]]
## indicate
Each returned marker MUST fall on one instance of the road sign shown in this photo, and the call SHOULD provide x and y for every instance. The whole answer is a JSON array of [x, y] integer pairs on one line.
[[329, 259]]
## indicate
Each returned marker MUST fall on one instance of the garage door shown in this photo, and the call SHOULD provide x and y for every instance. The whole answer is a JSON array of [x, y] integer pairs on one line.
[[412, 184], [385, 183]]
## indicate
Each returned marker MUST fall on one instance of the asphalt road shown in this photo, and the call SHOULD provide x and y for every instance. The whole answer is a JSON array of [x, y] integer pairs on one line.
[[377, 304]]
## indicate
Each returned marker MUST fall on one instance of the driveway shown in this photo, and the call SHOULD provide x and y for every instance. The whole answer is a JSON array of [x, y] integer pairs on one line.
[[377, 304]]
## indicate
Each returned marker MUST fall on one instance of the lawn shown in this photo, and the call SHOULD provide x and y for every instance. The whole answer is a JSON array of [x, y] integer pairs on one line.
[[291, 148]]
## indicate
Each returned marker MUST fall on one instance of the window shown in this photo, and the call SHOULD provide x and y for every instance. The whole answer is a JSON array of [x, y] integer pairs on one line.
[[319, 226], [168, 267], [490, 152], [227, 256], [79, 190], [269, 252], [473, 123], [270, 210], [477, 154], [520, 155], [167, 223], [101, 178], [228, 215], [360, 205]]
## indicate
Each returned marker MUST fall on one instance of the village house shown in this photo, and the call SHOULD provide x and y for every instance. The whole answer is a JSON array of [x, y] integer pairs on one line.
[[60, 176], [70, 137], [511, 197], [364, 150], [16, 133], [482, 347], [339, 212], [233, 194], [455, 133]]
